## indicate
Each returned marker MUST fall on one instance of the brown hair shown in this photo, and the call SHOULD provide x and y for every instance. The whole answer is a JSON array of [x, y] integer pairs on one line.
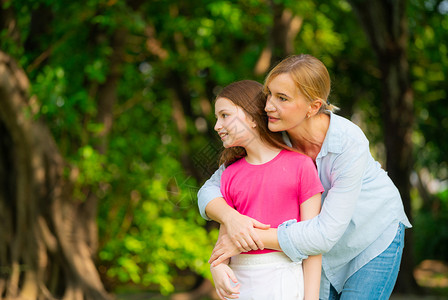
[[310, 76], [248, 95]]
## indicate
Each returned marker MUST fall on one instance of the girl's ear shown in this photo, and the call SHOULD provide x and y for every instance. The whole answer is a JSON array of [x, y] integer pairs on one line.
[[252, 122]]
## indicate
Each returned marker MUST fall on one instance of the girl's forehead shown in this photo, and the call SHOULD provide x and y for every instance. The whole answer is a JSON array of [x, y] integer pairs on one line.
[[224, 103]]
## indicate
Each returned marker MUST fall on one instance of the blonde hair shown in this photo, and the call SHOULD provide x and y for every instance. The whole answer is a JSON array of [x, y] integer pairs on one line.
[[310, 76]]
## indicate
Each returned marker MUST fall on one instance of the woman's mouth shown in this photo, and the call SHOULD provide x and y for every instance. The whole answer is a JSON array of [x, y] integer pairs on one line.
[[273, 120]]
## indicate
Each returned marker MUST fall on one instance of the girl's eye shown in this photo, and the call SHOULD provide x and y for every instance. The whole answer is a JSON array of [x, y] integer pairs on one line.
[[224, 115], [283, 99]]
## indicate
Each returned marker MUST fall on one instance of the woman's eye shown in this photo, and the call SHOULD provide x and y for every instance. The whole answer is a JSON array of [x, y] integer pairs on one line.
[[283, 99], [224, 115]]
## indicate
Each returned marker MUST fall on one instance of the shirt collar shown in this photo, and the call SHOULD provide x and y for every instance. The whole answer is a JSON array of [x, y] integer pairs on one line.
[[333, 139]]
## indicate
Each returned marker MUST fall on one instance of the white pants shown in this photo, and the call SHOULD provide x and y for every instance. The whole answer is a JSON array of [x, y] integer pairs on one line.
[[270, 276]]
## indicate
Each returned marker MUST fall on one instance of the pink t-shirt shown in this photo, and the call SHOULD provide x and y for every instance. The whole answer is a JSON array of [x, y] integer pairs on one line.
[[271, 192]]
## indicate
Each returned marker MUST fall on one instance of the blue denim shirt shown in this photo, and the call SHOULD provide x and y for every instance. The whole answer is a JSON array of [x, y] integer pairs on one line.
[[361, 207]]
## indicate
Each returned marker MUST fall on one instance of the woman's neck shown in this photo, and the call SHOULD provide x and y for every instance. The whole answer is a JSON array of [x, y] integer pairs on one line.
[[310, 135], [259, 152]]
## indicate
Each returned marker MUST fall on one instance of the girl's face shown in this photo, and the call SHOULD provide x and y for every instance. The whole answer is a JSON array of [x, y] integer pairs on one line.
[[232, 124], [286, 106]]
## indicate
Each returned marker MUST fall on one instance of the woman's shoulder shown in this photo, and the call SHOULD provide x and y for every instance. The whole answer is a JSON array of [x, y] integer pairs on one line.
[[346, 130]]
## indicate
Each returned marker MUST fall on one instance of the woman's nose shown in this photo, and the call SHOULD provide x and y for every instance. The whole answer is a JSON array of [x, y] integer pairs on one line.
[[269, 107]]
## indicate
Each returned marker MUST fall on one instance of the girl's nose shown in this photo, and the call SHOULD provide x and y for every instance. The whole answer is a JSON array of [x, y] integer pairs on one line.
[[218, 126]]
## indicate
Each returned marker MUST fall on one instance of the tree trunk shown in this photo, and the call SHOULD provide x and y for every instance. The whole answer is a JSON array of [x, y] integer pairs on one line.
[[285, 27], [44, 252], [386, 26]]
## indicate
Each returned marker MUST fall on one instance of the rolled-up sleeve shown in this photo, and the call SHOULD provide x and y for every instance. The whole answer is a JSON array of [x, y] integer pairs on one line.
[[209, 191], [344, 174]]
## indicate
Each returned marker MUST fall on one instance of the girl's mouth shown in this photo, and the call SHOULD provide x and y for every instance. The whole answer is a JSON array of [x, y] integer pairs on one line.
[[223, 135]]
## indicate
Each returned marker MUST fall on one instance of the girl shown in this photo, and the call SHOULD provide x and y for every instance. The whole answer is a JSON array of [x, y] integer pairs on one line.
[[360, 230], [265, 181]]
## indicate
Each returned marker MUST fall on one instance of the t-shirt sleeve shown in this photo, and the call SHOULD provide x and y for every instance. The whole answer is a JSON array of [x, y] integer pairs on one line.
[[309, 182]]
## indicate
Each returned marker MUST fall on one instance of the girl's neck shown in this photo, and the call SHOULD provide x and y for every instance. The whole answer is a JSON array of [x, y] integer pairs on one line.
[[309, 137], [259, 152]]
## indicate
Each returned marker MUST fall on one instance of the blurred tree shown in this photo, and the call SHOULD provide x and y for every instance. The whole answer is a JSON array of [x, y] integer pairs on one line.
[[45, 248], [429, 69], [386, 26], [283, 31]]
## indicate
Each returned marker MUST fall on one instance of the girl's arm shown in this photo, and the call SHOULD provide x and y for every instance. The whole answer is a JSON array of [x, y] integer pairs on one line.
[[222, 274], [313, 264], [240, 228]]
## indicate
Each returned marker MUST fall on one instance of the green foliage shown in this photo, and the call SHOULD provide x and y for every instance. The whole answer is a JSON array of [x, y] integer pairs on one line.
[[149, 218], [429, 69], [431, 229]]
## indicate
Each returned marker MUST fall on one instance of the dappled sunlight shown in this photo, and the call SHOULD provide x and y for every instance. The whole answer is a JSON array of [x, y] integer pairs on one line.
[[432, 274]]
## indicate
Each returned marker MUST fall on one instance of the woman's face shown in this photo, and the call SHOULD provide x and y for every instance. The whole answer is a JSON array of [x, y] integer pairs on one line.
[[286, 106], [232, 124]]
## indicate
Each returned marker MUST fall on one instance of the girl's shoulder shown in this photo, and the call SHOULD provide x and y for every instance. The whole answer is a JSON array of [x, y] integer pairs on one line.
[[293, 156], [234, 166]]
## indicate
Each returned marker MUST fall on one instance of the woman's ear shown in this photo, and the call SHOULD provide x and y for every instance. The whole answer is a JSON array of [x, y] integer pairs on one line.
[[315, 106]]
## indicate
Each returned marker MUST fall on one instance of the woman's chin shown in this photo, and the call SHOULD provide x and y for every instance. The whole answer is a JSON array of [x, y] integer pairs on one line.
[[274, 128]]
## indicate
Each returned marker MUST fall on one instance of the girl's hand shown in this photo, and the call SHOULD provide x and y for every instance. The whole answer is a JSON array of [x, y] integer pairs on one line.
[[240, 229], [221, 275], [223, 250]]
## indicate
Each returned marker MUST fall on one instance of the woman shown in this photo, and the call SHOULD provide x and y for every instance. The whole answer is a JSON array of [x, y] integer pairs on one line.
[[360, 230]]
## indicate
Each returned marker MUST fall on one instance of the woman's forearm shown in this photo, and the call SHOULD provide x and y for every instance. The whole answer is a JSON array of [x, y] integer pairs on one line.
[[219, 211]]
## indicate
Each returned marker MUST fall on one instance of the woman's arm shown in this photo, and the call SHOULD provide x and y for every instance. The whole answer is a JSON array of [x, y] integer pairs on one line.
[[225, 248], [321, 233], [240, 228], [313, 264], [209, 191]]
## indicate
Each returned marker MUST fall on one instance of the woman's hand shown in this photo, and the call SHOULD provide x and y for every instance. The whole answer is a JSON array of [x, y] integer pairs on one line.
[[221, 275], [241, 231], [224, 249]]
